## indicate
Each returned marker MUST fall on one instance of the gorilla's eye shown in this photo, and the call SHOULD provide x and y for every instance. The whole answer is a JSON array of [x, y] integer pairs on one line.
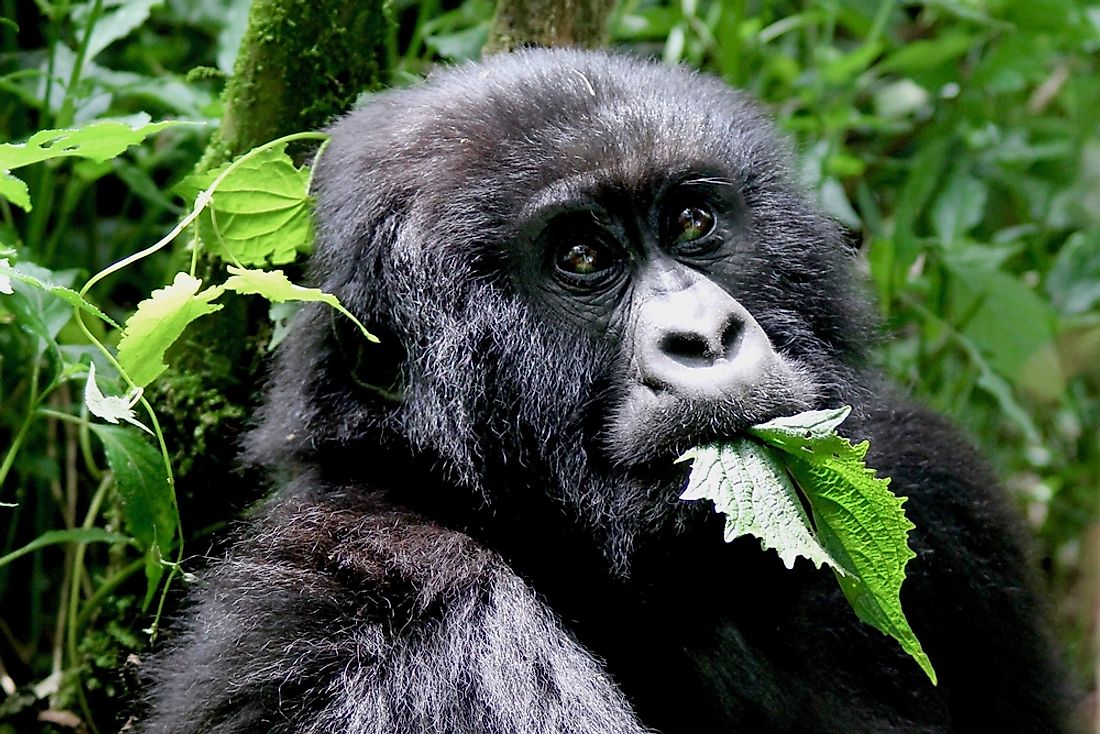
[[692, 223], [584, 259]]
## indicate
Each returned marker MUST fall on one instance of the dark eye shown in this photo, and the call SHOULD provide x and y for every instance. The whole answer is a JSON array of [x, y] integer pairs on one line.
[[584, 259], [691, 224]]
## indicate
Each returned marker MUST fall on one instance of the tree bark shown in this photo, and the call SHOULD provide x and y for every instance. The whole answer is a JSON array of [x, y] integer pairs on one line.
[[579, 23]]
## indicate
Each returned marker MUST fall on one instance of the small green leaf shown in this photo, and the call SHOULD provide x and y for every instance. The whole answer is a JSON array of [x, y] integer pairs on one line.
[[148, 502], [108, 407], [959, 208], [15, 190], [259, 213], [923, 180], [66, 294], [158, 322], [118, 19], [277, 288], [75, 535], [923, 55], [1008, 321], [1073, 282]]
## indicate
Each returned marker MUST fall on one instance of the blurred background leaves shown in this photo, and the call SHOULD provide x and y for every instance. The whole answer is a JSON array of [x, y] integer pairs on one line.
[[958, 140]]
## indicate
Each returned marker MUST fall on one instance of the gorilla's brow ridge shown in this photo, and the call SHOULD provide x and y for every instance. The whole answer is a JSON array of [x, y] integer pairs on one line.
[[560, 193]]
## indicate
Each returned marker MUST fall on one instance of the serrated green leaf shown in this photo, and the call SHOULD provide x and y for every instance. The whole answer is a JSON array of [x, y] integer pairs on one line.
[[752, 490], [859, 527], [158, 322], [277, 288], [799, 429], [148, 503], [859, 521], [260, 212]]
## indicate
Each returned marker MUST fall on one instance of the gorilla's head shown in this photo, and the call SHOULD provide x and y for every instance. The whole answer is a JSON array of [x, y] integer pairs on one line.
[[580, 265]]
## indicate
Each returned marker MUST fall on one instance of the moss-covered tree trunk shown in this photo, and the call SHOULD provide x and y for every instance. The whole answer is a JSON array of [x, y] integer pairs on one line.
[[301, 63], [580, 23]]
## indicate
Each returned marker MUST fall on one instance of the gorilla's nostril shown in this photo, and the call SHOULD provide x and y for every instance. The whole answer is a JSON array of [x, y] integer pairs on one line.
[[686, 347], [731, 335]]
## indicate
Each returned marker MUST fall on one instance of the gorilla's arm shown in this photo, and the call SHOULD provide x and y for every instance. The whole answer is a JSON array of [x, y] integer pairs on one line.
[[299, 632]]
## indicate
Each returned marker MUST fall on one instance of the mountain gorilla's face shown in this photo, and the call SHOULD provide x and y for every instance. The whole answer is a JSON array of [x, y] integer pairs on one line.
[[583, 266], [653, 268]]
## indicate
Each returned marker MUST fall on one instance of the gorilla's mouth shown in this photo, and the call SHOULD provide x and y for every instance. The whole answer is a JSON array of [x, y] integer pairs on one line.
[[652, 427]]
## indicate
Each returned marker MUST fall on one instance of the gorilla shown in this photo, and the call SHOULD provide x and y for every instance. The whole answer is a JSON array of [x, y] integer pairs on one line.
[[581, 265]]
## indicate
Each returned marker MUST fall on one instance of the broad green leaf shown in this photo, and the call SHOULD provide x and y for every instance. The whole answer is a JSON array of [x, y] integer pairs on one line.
[[959, 208], [148, 502], [99, 141], [158, 322], [859, 527], [117, 20], [108, 407], [66, 294], [753, 491], [923, 180], [74, 535], [921, 55], [1008, 321], [259, 213], [277, 288]]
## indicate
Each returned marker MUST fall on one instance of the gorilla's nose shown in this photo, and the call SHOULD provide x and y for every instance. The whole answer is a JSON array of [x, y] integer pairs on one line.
[[710, 340], [700, 343]]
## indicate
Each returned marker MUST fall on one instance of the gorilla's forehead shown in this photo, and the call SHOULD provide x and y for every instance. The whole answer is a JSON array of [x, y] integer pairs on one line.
[[593, 120]]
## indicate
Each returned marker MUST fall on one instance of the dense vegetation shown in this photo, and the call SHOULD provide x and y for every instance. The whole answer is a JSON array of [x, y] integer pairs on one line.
[[959, 140]]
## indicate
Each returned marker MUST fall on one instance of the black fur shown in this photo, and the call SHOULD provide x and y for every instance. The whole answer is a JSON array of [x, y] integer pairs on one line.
[[477, 534]]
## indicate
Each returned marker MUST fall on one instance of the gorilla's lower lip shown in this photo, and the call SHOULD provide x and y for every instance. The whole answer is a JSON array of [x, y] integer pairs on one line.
[[658, 427]]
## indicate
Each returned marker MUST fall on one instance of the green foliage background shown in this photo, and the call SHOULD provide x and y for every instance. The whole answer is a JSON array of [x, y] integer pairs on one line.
[[959, 140]]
